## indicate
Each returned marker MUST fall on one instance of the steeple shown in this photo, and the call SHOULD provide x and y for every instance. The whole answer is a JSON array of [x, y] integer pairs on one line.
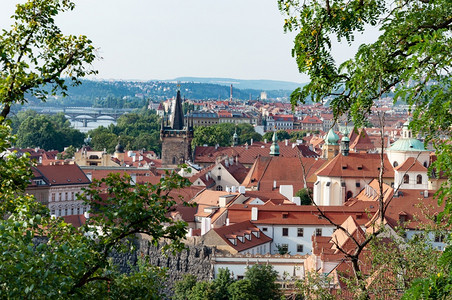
[[178, 114], [345, 142], [235, 138], [274, 148]]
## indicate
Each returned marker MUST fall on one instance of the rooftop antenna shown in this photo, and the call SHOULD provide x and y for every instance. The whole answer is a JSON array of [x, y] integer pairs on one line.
[[231, 92]]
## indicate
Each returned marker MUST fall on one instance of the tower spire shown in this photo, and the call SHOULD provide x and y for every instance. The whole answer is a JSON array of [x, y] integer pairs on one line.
[[178, 114]]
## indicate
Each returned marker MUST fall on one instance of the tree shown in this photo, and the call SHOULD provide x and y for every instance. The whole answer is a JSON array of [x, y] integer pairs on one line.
[[411, 59], [47, 132], [44, 257], [281, 134], [183, 287], [35, 54], [263, 281], [305, 196], [221, 284], [242, 290]]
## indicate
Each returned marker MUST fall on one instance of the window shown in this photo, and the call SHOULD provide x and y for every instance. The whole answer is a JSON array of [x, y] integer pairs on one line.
[[439, 238], [406, 178], [419, 179], [318, 231], [218, 177], [65, 196], [299, 248], [53, 197], [300, 232], [219, 188], [285, 215], [358, 184], [72, 196], [285, 231], [59, 196], [264, 229], [395, 164]]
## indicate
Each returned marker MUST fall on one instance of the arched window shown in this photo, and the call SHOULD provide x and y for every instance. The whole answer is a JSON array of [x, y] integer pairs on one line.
[[395, 164], [419, 179], [174, 160], [406, 178], [349, 195], [219, 188], [425, 164]]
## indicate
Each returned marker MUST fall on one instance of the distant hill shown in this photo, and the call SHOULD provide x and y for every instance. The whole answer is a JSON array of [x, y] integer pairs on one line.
[[262, 85], [134, 94]]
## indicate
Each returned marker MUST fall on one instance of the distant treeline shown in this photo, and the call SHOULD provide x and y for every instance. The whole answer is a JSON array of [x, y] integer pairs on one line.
[[129, 94]]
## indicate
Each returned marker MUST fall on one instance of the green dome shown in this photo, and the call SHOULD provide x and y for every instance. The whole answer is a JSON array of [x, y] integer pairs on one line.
[[407, 145], [331, 138]]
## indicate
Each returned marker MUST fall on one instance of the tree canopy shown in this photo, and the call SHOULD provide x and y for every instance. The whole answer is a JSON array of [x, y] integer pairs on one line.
[[222, 134], [410, 61]]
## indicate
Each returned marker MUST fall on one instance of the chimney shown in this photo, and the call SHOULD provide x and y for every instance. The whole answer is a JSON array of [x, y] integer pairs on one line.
[[254, 214], [242, 189], [426, 194], [286, 142], [274, 184], [251, 142], [265, 141], [227, 221]]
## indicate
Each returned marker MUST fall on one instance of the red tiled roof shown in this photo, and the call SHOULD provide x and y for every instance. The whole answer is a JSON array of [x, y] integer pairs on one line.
[[240, 230], [283, 170], [301, 214], [411, 165], [66, 174], [313, 119], [362, 142], [362, 165]]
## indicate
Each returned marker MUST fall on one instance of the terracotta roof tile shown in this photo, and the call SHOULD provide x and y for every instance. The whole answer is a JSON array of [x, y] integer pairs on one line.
[[411, 165]]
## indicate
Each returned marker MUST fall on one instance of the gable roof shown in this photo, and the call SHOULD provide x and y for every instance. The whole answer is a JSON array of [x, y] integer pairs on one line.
[[361, 165], [283, 170], [411, 165], [362, 142]]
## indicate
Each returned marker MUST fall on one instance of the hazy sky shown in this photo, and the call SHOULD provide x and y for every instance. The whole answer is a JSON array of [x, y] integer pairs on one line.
[[164, 39]]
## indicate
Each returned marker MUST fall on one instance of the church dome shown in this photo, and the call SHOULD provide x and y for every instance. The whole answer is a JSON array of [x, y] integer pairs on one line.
[[331, 138], [408, 145]]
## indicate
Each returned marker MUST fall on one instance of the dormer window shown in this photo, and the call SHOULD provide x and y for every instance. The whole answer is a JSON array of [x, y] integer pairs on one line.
[[360, 167], [344, 167], [285, 215], [233, 241]]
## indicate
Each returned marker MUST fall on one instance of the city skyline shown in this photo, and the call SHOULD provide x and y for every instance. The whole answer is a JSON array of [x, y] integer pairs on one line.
[[156, 40]]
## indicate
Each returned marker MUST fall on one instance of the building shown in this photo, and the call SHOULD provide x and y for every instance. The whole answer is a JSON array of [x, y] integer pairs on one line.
[[176, 137], [57, 187]]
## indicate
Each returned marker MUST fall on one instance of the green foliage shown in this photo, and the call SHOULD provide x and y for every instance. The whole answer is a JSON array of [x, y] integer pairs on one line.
[[221, 134], [35, 53], [221, 284], [259, 283], [242, 289], [305, 196], [202, 290], [281, 134], [436, 286], [263, 281], [135, 131], [183, 287], [47, 132], [314, 286]]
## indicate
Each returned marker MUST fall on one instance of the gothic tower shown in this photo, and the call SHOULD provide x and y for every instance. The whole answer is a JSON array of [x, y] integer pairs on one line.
[[176, 136]]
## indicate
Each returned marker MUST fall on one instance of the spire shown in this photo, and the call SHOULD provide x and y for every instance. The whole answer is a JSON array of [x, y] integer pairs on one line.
[[345, 142], [235, 138], [178, 114], [274, 148]]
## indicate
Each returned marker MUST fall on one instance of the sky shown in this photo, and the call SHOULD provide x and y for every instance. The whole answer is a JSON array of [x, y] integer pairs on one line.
[[162, 40]]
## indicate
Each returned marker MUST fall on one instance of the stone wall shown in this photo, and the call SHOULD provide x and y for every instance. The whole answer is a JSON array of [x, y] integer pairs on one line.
[[194, 260]]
